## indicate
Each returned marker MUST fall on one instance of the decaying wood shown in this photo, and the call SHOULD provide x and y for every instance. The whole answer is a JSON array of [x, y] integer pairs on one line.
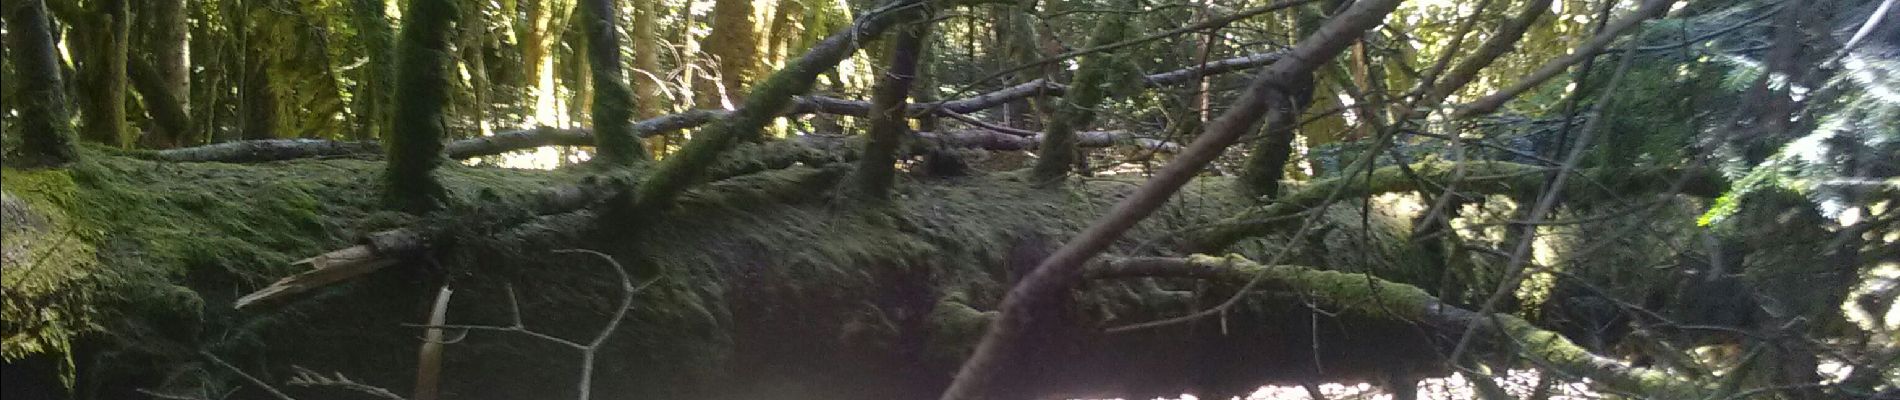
[[337, 266]]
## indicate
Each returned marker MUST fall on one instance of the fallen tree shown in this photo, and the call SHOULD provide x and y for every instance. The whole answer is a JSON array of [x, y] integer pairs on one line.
[[765, 284]]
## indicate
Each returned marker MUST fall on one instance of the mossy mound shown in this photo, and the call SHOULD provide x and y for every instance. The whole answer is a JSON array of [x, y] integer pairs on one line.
[[766, 283]]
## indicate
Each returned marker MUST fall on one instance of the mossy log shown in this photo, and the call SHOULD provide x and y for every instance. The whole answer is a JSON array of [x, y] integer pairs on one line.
[[766, 284]]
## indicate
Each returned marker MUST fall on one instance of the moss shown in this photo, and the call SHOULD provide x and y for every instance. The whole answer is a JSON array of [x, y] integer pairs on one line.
[[47, 264], [741, 267], [150, 254], [1356, 292], [1557, 352]]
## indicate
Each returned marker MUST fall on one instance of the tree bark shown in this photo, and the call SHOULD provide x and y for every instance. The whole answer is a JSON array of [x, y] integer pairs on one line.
[[163, 30], [1096, 75], [164, 106], [422, 83], [100, 59], [46, 133], [546, 20], [734, 42], [376, 86], [890, 126], [647, 78], [614, 137]]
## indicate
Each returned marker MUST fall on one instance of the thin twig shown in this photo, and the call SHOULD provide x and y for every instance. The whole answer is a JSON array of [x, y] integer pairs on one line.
[[240, 373]]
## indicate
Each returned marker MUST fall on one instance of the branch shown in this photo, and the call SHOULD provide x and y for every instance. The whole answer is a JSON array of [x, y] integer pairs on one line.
[[247, 377], [1493, 47], [1488, 104], [765, 103], [382, 249], [1370, 295], [254, 151], [589, 349], [1044, 288], [1482, 177], [306, 378], [1006, 142]]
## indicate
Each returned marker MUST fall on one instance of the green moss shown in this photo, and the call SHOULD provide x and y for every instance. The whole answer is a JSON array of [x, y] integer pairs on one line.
[[47, 261], [770, 257], [422, 83]]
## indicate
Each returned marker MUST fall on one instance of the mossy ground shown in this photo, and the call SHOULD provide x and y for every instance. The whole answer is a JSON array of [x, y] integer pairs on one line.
[[771, 274]]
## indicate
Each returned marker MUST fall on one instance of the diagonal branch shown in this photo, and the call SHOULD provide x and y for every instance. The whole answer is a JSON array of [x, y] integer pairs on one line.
[[1043, 289], [1370, 295]]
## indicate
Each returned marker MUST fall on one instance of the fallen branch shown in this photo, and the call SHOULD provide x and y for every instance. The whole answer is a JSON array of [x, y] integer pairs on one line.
[[1369, 295], [1043, 289], [253, 151], [587, 349], [1484, 177], [385, 248], [1006, 142]]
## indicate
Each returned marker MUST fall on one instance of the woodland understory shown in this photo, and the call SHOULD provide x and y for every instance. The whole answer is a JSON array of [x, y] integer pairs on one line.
[[953, 199]]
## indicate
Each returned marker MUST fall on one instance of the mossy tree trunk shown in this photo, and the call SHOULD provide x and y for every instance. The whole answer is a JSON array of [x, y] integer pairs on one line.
[[890, 124], [614, 102], [925, 87], [1098, 74], [46, 131], [422, 82], [1268, 157], [99, 54], [376, 84], [735, 42], [1017, 36], [546, 22], [781, 39], [161, 71], [647, 77]]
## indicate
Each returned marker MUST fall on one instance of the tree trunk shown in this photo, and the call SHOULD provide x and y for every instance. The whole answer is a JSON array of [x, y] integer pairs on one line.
[[613, 106], [376, 86], [890, 125], [162, 72], [46, 133], [422, 83], [1097, 74], [100, 57], [546, 21], [647, 80], [735, 43]]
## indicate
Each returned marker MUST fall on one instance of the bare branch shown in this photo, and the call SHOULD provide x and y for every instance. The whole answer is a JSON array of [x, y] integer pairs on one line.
[[1043, 288], [247, 377], [1488, 104]]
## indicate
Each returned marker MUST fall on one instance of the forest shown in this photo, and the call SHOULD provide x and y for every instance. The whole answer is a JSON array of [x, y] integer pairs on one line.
[[950, 199]]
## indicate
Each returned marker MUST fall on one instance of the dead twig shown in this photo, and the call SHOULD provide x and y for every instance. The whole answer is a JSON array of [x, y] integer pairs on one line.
[[588, 349]]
